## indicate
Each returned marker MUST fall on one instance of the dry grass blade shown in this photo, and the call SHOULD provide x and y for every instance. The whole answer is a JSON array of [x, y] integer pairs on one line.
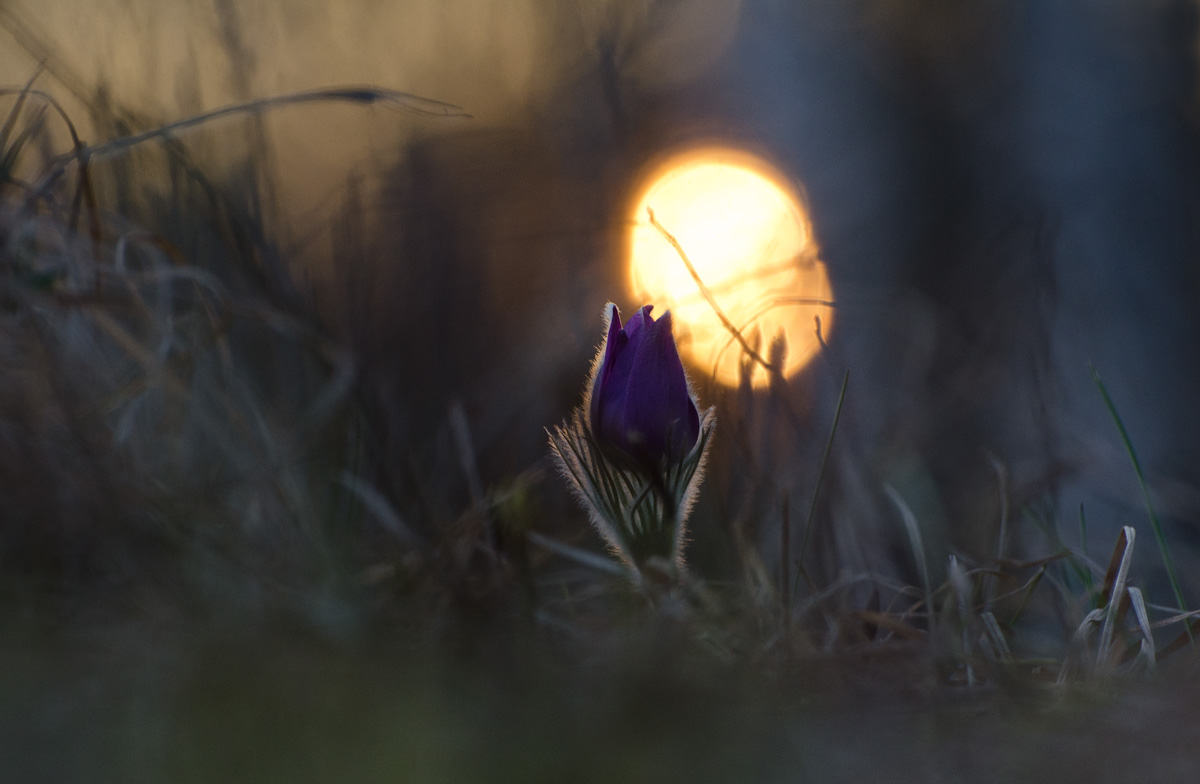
[[708, 295], [816, 600], [360, 95], [1182, 641], [1114, 591], [11, 121], [960, 586], [381, 508], [812, 508], [996, 637], [1146, 652], [916, 542], [778, 302], [1025, 591], [1174, 619], [53, 103], [1079, 644], [889, 623], [579, 556], [1114, 568]]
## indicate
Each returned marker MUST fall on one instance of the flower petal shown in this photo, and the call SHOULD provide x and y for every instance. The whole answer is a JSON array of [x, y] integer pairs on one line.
[[658, 411], [639, 320], [614, 344], [607, 410]]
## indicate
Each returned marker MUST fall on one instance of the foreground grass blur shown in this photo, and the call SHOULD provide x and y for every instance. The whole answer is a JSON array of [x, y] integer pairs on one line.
[[205, 575]]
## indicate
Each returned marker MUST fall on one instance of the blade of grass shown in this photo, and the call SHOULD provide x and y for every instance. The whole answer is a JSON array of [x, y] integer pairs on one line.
[[1115, 564], [812, 507], [1028, 588], [375, 503], [707, 294], [1143, 620], [361, 95], [10, 122], [889, 624], [1174, 619], [918, 548], [1141, 478], [581, 557], [816, 600], [996, 637], [1078, 644], [960, 587], [1114, 585]]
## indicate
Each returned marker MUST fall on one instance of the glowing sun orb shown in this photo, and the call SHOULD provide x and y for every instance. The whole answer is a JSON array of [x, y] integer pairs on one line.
[[749, 241]]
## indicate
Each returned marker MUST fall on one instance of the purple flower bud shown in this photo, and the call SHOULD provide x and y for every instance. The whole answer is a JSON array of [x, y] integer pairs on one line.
[[640, 401]]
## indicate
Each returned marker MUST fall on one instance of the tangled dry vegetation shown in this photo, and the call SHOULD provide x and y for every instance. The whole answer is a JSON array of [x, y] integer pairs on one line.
[[194, 538]]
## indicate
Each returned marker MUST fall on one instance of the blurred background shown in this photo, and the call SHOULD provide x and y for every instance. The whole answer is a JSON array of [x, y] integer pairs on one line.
[[1000, 192]]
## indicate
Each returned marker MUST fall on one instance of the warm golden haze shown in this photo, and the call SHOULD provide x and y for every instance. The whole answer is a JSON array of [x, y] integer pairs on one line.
[[749, 242]]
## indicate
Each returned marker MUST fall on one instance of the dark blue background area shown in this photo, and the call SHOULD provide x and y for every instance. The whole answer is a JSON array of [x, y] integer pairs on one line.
[[1004, 193]]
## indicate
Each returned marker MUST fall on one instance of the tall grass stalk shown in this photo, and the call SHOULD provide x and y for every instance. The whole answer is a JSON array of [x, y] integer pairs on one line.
[[812, 507], [1141, 478]]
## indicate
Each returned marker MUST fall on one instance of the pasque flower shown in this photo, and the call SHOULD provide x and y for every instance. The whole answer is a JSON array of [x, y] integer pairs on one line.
[[640, 403], [634, 452]]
